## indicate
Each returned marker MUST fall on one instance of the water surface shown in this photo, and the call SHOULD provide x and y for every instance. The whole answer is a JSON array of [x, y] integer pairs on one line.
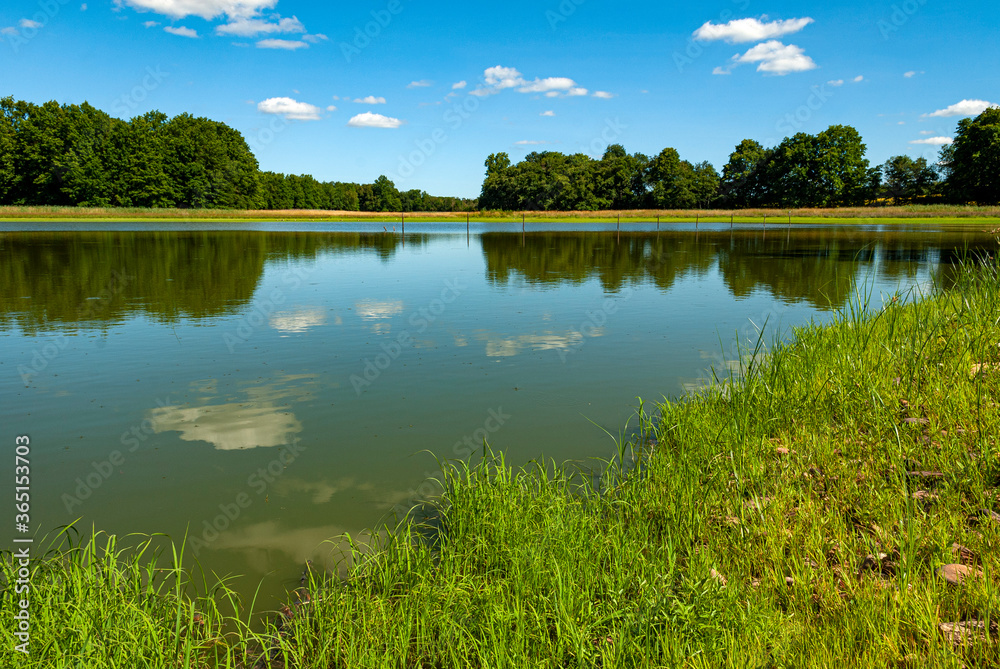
[[265, 388]]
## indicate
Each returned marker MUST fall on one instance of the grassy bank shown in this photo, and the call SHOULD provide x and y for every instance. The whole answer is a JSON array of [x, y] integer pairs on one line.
[[887, 215], [809, 513]]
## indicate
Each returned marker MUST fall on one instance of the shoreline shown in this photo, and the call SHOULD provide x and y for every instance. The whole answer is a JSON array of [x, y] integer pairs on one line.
[[938, 214], [840, 498]]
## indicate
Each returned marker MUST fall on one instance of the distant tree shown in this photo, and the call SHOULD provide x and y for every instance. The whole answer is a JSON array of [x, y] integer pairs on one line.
[[385, 197], [905, 179], [973, 162], [498, 188], [618, 175], [841, 167], [744, 178], [210, 164]]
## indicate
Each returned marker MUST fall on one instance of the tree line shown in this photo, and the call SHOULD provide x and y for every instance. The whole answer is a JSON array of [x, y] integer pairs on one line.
[[77, 155], [828, 169]]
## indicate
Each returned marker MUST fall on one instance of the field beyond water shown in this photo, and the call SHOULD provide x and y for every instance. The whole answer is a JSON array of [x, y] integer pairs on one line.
[[882, 215], [834, 502]]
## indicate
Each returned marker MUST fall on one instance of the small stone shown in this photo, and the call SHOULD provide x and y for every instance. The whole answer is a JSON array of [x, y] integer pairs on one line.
[[926, 475], [964, 555], [965, 632], [955, 574], [789, 581], [924, 496], [783, 452], [873, 562], [916, 421], [718, 577]]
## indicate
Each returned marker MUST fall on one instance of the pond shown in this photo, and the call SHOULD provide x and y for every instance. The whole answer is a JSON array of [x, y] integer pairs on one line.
[[267, 388]]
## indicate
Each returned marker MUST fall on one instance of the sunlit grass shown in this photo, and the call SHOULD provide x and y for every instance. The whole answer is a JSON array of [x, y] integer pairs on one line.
[[794, 514], [937, 213]]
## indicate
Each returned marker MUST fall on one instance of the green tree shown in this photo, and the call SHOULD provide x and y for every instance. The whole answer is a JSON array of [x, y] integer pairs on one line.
[[906, 179], [618, 176], [498, 188], [744, 178], [973, 162], [385, 197], [841, 167], [210, 164]]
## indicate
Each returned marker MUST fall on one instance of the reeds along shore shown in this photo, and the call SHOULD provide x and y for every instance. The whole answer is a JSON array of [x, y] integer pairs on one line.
[[836, 501], [910, 213]]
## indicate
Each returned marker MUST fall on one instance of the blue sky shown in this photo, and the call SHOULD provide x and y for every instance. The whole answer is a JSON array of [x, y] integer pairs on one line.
[[433, 88]]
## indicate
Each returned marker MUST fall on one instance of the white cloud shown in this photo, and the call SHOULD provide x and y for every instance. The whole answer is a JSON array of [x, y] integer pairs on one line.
[[835, 82], [181, 31], [460, 85], [530, 142], [370, 100], [749, 30], [964, 108], [926, 132], [934, 141], [287, 45], [604, 95], [423, 83], [315, 39], [500, 78], [151, 24], [9, 30], [547, 113], [721, 70], [29, 24], [858, 79], [206, 9], [370, 120], [292, 110], [331, 108], [83, 7], [244, 27], [910, 74], [548, 85], [776, 58]]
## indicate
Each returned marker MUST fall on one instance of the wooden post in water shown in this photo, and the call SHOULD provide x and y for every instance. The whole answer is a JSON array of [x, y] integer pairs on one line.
[[765, 220], [619, 222], [697, 220], [657, 223], [730, 221], [403, 214]]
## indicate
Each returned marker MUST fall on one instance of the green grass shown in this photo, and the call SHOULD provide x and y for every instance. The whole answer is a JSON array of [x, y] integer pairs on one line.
[[790, 481], [882, 215]]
